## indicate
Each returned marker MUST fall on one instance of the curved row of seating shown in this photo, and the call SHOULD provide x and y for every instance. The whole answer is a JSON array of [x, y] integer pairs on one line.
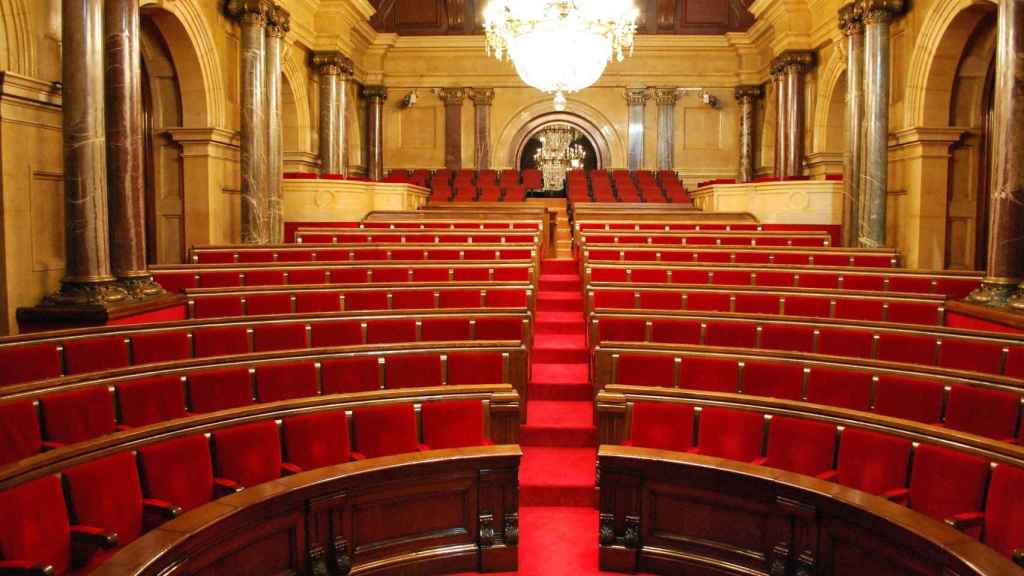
[[667, 240], [378, 252], [347, 236], [782, 255], [625, 186]]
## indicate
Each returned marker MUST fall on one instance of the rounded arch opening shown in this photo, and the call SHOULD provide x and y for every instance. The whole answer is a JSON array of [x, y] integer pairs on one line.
[[525, 140]]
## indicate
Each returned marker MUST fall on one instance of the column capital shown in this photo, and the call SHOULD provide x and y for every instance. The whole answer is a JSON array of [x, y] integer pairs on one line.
[[879, 11], [793, 61], [249, 11], [637, 96], [851, 19], [749, 92], [451, 96], [482, 96], [278, 21], [666, 96], [375, 92], [331, 63]]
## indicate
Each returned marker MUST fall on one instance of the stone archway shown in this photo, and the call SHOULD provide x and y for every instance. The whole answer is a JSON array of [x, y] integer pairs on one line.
[[536, 125], [591, 121]]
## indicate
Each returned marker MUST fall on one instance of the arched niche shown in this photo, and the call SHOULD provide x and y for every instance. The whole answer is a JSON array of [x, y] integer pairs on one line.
[[590, 121], [830, 108], [534, 127]]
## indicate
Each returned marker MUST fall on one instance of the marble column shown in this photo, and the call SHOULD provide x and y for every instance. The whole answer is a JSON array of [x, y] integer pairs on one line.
[[1005, 267], [329, 66], [252, 17], [125, 162], [778, 73], [878, 14], [636, 98], [851, 22], [482, 99], [666, 99], [795, 65], [746, 97], [342, 127], [87, 276], [453, 99], [278, 24], [375, 97]]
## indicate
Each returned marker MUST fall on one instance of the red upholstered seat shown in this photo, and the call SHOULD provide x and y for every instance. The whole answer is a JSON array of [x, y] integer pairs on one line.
[[220, 341], [152, 347], [713, 374], [460, 299], [218, 307], [312, 302], [95, 354], [991, 413], [220, 279], [453, 424], [973, 355], [507, 298], [915, 284], [78, 415], [750, 303], [412, 371], [646, 370], [1004, 510], [813, 306], [350, 276], [176, 282], [842, 388], [345, 375], [708, 301], [276, 382], [499, 329], [824, 281], [215, 257], [387, 331], [614, 299], [1014, 362], [372, 300], [906, 312], [734, 334], [336, 333], [271, 337], [20, 434], [621, 330], [36, 530], [385, 430], [444, 329], [860, 309], [469, 274], [845, 342], [732, 434], [256, 256], [675, 331], [316, 440], [249, 454], [661, 300], [150, 400], [609, 274], [779, 279], [431, 275], [304, 276], [266, 304], [909, 398], [909, 348], [661, 425], [793, 338], [872, 462], [864, 282], [27, 363], [466, 368], [265, 278], [178, 471], [946, 483], [650, 275], [801, 446], [412, 300], [106, 494], [732, 278], [774, 379], [214, 390]]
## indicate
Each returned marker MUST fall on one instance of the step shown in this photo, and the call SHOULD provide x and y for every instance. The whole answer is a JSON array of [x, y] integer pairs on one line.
[[560, 392], [559, 266], [560, 301], [560, 382], [547, 322], [562, 424], [560, 283], [558, 477], [552, 348]]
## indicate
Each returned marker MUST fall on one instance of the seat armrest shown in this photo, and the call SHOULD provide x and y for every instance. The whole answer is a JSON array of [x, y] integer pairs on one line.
[[899, 496], [829, 475], [357, 456], [966, 520], [289, 469], [156, 512], [95, 537], [19, 568], [225, 487]]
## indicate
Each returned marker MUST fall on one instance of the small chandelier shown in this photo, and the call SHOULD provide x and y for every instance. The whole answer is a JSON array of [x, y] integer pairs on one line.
[[560, 46]]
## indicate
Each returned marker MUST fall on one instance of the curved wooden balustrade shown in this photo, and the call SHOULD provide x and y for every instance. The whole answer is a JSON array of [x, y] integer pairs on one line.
[[671, 513]]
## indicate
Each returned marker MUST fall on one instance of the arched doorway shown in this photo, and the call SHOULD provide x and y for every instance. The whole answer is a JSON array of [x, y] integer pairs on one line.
[[525, 142], [533, 144]]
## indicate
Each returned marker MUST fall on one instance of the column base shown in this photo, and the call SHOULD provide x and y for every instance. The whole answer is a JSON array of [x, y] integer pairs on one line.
[[997, 293], [98, 293], [141, 287]]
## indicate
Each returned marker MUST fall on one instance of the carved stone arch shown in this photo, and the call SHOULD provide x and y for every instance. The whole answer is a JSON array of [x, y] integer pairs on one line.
[[591, 121], [945, 32], [832, 92], [298, 128], [17, 43], [188, 36], [589, 131]]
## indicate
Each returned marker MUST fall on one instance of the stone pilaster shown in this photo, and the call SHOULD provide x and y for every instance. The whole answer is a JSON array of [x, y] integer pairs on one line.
[[278, 24], [851, 22], [636, 99], [778, 73], [666, 99], [747, 97], [330, 66], [453, 99], [482, 99], [375, 97]]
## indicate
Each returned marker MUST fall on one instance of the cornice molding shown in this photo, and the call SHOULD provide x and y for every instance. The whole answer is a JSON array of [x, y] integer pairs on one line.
[[13, 85]]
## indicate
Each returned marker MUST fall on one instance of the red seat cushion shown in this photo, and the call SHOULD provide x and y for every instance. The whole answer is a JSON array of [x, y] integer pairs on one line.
[[872, 462], [412, 300], [860, 309], [385, 430], [732, 434], [913, 312], [460, 299], [497, 328], [735, 334], [801, 446], [947, 482], [390, 331], [675, 331], [152, 347], [178, 471], [36, 529], [150, 400], [303, 277], [468, 274], [78, 415], [267, 304], [20, 435], [313, 302], [909, 398], [662, 425], [276, 382], [842, 388], [845, 342], [214, 390], [412, 370], [646, 370], [708, 373], [824, 281], [374, 300], [708, 301], [779, 279], [774, 379], [794, 338], [973, 355], [748, 303], [908, 348], [271, 337], [991, 413], [621, 330], [95, 354], [346, 375], [316, 440], [732, 278], [350, 275], [813, 306], [264, 278], [220, 341], [106, 494], [661, 300], [27, 363], [1004, 510], [218, 307], [465, 368], [453, 424], [444, 329], [220, 279], [506, 298], [336, 333], [614, 299], [865, 282], [249, 454]]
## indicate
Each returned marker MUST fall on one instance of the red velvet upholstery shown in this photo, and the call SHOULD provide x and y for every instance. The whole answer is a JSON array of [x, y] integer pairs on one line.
[[461, 275], [732, 434], [813, 306], [730, 334], [276, 382], [713, 374], [264, 277], [863, 282], [176, 282], [316, 440], [801, 446], [36, 529], [650, 275], [444, 329], [909, 348], [747, 303], [614, 299], [973, 355], [475, 368], [20, 435], [152, 347], [373, 300], [219, 389], [27, 363], [819, 281], [219, 279], [312, 302], [709, 301], [675, 331], [842, 388], [385, 430], [946, 482], [872, 462], [78, 415], [391, 331], [271, 337], [774, 379], [732, 278], [646, 370], [336, 333], [784, 337], [412, 300], [150, 400], [499, 329], [1004, 511], [412, 371], [453, 424], [345, 375], [621, 330], [249, 454], [309, 276], [178, 471], [218, 307], [106, 494], [266, 304], [773, 278], [908, 398], [460, 299], [843, 342], [351, 275], [661, 300], [509, 274], [256, 256], [906, 312], [220, 341], [662, 425], [991, 413], [95, 354], [507, 298], [859, 309]]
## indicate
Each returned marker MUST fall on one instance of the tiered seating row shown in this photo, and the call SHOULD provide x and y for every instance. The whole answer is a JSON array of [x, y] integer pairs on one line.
[[325, 253], [471, 185], [625, 186], [807, 240], [723, 255], [343, 236]]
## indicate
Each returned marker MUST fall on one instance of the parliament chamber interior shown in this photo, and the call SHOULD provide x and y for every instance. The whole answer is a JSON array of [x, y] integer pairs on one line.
[[539, 287]]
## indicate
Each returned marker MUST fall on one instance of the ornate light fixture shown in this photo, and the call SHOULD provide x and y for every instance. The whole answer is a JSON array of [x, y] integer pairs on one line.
[[560, 46], [558, 154]]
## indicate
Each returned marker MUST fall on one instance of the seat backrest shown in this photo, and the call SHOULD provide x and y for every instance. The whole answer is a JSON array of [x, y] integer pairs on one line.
[[713, 374], [178, 471], [873, 462], [106, 494], [95, 354], [910, 398], [412, 371], [276, 382], [151, 399], [842, 388], [774, 379], [249, 454], [1004, 511], [346, 375], [800, 445], [385, 430], [316, 440], [466, 368], [36, 529], [78, 415], [453, 424], [947, 482], [646, 370], [662, 425], [20, 434], [213, 390], [732, 434], [991, 413]]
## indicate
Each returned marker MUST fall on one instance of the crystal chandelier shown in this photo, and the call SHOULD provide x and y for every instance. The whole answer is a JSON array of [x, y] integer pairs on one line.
[[558, 154], [560, 46]]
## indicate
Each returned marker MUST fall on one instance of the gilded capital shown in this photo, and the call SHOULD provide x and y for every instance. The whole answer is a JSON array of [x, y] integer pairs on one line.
[[375, 93], [482, 96], [752, 92], [278, 22], [249, 11], [881, 11], [637, 96], [452, 96], [331, 63], [851, 19], [666, 96], [793, 61]]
